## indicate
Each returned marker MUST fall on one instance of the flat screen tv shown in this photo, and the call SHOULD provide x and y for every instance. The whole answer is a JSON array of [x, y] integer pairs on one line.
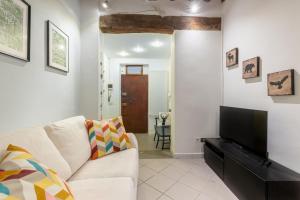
[[248, 128]]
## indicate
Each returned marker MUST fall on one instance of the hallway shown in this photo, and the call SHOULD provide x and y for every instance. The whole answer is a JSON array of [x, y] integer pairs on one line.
[[147, 148]]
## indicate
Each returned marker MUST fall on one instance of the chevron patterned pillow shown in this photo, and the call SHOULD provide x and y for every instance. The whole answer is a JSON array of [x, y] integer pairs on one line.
[[24, 178], [107, 137], [119, 136], [100, 138]]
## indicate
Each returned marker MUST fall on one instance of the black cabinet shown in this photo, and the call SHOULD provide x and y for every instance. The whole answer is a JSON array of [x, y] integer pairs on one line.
[[214, 159], [243, 182], [248, 176]]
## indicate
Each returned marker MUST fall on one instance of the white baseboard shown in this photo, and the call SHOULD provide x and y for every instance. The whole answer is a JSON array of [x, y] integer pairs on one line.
[[188, 155]]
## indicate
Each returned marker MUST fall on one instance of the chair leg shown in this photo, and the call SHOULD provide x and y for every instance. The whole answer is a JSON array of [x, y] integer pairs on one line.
[[163, 145], [155, 136], [157, 141]]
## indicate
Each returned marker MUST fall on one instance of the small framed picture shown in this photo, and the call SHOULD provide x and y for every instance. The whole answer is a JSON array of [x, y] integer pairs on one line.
[[58, 48], [281, 83], [15, 29], [232, 57], [251, 68]]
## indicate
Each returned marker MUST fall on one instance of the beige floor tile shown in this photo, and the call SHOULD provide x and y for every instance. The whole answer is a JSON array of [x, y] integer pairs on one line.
[[173, 172], [184, 164], [157, 165], [164, 197], [206, 197], [139, 182], [182, 192], [144, 161], [146, 173], [203, 172], [146, 192], [199, 161], [195, 182], [161, 182]]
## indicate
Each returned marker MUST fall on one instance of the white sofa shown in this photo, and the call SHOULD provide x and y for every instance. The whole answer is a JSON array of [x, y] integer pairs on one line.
[[64, 146]]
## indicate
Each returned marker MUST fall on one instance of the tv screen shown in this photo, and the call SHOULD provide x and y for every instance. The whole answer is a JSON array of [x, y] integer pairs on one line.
[[245, 127]]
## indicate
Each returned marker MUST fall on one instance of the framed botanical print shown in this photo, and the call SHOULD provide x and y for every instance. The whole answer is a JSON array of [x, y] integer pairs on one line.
[[15, 16], [58, 48]]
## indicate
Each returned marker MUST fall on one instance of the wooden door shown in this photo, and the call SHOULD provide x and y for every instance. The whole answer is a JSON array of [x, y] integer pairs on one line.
[[134, 98]]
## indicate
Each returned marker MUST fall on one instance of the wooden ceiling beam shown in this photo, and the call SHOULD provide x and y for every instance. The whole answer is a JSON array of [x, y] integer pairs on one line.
[[134, 23]]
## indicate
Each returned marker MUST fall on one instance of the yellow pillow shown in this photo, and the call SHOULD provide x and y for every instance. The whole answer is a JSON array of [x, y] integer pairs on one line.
[[24, 178]]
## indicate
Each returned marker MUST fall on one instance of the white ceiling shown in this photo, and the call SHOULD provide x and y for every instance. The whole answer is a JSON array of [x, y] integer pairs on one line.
[[113, 44], [163, 7]]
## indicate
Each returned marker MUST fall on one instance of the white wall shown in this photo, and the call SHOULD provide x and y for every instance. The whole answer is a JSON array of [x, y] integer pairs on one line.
[[269, 29], [157, 69], [197, 89], [90, 37], [32, 93]]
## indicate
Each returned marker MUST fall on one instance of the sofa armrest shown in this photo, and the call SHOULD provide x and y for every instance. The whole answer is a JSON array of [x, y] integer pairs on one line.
[[133, 140]]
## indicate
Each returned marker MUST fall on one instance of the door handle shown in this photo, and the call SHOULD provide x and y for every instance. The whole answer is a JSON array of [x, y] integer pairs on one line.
[[124, 104]]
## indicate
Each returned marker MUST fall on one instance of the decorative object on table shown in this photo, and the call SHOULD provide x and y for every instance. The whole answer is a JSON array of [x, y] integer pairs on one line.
[[232, 57], [281, 83], [164, 116], [15, 16], [58, 48], [23, 177], [251, 68]]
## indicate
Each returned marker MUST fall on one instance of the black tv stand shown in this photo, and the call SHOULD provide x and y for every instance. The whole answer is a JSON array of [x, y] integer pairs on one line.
[[249, 176]]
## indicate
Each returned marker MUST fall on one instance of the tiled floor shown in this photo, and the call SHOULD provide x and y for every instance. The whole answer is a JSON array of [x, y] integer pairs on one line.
[[180, 179]]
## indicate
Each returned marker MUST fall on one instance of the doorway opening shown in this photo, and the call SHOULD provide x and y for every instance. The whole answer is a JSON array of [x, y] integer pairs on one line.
[[136, 84]]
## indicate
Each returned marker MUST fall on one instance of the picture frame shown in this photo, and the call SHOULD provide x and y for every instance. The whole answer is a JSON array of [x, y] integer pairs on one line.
[[15, 27], [58, 48], [281, 83], [232, 57], [251, 68]]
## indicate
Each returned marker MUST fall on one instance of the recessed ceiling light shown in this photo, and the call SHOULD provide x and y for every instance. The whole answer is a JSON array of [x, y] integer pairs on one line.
[[105, 4], [123, 53], [194, 8], [156, 43], [138, 49]]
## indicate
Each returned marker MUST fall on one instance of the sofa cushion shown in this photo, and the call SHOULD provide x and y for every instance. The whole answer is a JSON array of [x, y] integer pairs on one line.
[[71, 139], [23, 177], [36, 141], [106, 189], [121, 164]]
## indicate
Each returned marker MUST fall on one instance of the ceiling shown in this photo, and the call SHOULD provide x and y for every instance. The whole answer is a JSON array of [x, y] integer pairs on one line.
[[163, 7], [113, 44]]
